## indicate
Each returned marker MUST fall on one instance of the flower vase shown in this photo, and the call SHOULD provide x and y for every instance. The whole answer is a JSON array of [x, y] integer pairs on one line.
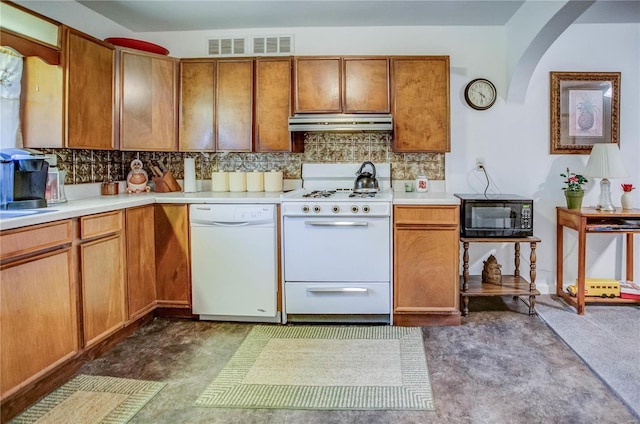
[[626, 200], [574, 199]]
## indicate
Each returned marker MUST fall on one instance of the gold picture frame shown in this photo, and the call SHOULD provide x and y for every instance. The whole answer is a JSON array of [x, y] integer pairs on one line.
[[584, 110]]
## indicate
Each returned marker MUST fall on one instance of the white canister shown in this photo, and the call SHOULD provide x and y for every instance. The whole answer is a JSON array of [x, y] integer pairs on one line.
[[422, 184], [219, 181], [255, 181], [238, 181], [273, 181]]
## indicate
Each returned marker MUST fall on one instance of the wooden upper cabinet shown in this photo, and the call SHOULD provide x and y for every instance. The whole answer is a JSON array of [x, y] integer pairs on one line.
[[341, 84], [420, 87], [365, 85], [42, 104], [147, 101], [76, 112], [273, 105], [90, 93], [317, 84], [234, 105], [196, 106]]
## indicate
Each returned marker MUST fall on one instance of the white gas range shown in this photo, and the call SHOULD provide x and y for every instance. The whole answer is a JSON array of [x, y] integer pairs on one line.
[[337, 247]]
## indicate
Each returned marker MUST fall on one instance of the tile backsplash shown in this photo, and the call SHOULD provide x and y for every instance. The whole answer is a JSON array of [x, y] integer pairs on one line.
[[91, 166]]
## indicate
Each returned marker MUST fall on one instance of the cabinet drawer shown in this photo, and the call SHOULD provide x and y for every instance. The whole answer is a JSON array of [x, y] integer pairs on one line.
[[337, 298], [100, 224], [426, 215], [32, 239]]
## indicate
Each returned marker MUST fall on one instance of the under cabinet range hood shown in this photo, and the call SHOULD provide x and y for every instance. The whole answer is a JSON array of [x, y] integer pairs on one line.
[[340, 122]]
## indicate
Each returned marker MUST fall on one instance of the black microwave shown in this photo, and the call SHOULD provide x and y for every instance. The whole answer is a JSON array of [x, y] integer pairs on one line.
[[495, 215]]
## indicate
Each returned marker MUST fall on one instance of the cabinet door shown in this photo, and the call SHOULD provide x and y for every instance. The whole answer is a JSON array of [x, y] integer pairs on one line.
[[366, 85], [173, 268], [90, 93], [38, 317], [196, 106], [273, 105], [148, 99], [234, 105], [420, 87], [426, 269], [42, 104], [317, 85], [426, 262], [103, 295], [141, 259]]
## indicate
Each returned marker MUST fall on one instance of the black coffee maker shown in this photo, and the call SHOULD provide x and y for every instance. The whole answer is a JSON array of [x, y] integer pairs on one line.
[[23, 179]]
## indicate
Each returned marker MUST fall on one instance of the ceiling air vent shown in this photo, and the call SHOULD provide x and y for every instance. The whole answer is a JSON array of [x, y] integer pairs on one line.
[[226, 46], [273, 45]]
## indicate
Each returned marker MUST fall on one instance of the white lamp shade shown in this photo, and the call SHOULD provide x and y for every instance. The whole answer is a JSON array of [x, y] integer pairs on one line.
[[605, 162]]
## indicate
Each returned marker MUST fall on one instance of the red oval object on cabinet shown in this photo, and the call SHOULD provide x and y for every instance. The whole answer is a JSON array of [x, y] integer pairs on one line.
[[137, 44]]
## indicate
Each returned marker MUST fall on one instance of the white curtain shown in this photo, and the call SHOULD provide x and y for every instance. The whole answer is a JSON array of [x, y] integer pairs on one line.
[[10, 77]]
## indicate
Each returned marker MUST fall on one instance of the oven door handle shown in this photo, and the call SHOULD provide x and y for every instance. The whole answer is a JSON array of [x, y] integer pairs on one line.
[[337, 223], [337, 290]]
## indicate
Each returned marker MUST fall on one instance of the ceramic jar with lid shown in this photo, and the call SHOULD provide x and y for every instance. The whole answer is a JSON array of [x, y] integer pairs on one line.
[[273, 181], [255, 181]]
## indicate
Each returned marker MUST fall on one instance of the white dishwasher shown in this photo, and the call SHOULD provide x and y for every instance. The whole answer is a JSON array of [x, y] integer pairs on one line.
[[234, 262]]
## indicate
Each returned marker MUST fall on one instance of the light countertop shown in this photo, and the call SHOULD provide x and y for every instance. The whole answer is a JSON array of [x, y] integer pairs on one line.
[[428, 198], [99, 204]]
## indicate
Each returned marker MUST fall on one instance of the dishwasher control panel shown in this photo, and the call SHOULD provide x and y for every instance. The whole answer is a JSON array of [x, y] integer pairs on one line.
[[233, 214]]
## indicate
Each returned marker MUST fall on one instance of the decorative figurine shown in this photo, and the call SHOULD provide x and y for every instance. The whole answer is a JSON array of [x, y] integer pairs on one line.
[[491, 271], [137, 178]]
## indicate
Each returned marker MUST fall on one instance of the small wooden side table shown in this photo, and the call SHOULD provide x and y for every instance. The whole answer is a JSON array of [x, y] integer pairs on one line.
[[473, 286], [591, 221]]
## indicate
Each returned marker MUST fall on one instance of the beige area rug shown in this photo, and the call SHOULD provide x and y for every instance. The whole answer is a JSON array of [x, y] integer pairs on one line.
[[92, 399], [325, 367]]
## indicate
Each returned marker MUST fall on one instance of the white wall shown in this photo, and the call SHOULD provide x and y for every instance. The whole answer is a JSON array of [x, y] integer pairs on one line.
[[512, 138]]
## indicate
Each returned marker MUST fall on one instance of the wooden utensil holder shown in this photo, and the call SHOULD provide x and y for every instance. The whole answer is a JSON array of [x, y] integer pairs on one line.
[[166, 183]]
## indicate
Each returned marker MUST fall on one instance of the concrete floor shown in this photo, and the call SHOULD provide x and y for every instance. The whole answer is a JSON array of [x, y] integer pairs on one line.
[[500, 366]]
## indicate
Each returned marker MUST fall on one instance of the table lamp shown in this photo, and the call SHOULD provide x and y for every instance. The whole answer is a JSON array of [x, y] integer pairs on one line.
[[605, 162]]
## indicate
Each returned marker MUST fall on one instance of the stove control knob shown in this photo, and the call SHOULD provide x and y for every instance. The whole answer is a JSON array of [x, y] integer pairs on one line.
[[354, 209], [305, 209], [316, 209], [335, 209], [366, 209]]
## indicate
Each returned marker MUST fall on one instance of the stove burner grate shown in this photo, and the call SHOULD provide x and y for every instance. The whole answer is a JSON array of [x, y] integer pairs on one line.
[[319, 193], [362, 195]]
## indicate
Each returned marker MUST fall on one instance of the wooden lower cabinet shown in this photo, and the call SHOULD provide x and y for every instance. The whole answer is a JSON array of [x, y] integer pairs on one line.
[[141, 261], [173, 268], [102, 275], [426, 265], [38, 319]]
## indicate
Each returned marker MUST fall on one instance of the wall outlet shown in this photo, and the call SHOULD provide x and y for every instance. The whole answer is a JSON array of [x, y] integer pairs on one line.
[[479, 164]]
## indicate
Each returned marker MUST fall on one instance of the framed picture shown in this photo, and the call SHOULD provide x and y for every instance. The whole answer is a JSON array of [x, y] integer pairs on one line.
[[584, 110]]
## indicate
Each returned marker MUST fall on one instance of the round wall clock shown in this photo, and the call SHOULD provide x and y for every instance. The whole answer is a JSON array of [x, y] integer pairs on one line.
[[480, 94]]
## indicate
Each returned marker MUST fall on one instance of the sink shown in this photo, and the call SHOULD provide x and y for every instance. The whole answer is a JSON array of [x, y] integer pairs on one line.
[[16, 213]]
